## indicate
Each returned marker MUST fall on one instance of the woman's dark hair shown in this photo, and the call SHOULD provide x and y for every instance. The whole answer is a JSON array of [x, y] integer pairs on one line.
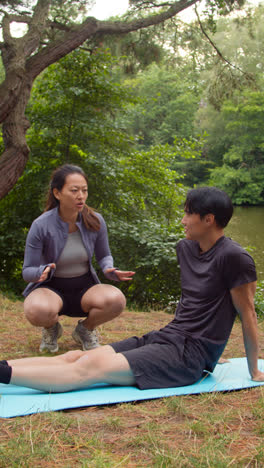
[[57, 181], [205, 200]]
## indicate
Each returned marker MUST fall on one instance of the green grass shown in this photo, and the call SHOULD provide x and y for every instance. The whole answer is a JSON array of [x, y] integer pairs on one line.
[[209, 430]]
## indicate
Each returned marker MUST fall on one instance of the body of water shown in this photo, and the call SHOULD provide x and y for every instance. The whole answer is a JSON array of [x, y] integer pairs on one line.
[[247, 228]]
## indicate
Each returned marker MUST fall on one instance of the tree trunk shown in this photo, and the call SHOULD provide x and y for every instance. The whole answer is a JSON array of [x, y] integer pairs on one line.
[[14, 158]]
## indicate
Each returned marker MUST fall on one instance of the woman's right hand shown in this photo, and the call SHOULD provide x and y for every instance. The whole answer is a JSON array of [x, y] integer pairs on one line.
[[46, 273]]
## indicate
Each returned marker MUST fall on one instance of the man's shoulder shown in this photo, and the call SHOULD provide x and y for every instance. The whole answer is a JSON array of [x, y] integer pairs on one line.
[[224, 250], [231, 247], [237, 264], [187, 248], [234, 256], [186, 242]]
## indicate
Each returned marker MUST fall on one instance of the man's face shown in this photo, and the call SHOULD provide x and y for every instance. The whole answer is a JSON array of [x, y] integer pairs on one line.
[[195, 227]]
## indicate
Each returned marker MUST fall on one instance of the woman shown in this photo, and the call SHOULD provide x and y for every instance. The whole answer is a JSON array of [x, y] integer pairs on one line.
[[58, 264]]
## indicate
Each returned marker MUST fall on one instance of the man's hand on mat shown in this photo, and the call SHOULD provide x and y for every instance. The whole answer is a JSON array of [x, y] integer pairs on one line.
[[122, 275], [258, 377], [46, 272]]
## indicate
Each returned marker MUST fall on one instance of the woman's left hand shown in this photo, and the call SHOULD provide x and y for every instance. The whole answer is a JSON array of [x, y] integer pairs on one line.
[[122, 275]]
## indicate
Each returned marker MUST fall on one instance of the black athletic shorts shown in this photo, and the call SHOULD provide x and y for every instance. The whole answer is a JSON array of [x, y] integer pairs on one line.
[[157, 362], [71, 291], [5, 372]]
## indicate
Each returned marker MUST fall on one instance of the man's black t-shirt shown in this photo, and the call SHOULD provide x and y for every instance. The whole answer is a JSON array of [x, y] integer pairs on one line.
[[205, 311]]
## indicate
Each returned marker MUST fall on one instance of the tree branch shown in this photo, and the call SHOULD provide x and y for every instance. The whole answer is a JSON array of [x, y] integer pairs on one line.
[[140, 23], [151, 4], [15, 52], [20, 18], [6, 30], [219, 53], [36, 27], [91, 27]]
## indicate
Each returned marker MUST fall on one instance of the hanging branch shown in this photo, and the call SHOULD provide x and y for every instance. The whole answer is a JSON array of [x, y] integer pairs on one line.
[[219, 53]]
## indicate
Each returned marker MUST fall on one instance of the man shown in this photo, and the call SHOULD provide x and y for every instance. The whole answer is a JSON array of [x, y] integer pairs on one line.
[[218, 279]]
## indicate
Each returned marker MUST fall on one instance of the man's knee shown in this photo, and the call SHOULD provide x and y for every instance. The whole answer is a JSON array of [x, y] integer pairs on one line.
[[93, 365], [102, 366], [72, 356]]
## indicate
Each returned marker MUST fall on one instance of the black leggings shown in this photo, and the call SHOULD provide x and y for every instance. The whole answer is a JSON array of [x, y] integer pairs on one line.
[[5, 372]]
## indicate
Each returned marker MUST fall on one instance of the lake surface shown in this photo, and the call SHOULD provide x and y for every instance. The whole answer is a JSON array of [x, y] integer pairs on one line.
[[247, 228]]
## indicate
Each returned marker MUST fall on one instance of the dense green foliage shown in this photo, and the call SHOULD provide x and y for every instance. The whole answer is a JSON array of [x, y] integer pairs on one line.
[[166, 108], [232, 110], [243, 160], [166, 114], [214, 92]]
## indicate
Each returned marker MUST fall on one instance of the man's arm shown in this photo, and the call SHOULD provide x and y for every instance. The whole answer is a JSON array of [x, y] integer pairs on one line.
[[243, 300]]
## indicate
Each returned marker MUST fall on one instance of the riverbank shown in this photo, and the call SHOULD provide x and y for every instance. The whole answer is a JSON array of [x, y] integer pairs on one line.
[[246, 227], [219, 429]]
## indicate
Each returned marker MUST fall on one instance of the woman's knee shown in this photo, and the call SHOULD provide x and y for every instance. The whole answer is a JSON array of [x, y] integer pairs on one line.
[[39, 313], [115, 301], [106, 298]]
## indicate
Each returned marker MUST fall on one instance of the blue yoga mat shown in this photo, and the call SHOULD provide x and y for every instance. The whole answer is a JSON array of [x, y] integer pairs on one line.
[[21, 401]]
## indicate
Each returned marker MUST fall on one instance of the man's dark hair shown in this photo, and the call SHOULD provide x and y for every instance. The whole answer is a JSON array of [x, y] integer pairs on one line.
[[206, 200]]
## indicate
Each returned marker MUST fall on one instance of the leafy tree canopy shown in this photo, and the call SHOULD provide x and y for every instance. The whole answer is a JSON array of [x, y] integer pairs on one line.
[[231, 108], [242, 173], [51, 35]]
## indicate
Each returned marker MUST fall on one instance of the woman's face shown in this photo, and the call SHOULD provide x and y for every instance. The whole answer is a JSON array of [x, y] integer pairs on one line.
[[73, 195]]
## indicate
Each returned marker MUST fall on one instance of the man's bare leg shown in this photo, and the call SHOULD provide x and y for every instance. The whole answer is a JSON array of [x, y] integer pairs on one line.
[[70, 356], [100, 365]]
